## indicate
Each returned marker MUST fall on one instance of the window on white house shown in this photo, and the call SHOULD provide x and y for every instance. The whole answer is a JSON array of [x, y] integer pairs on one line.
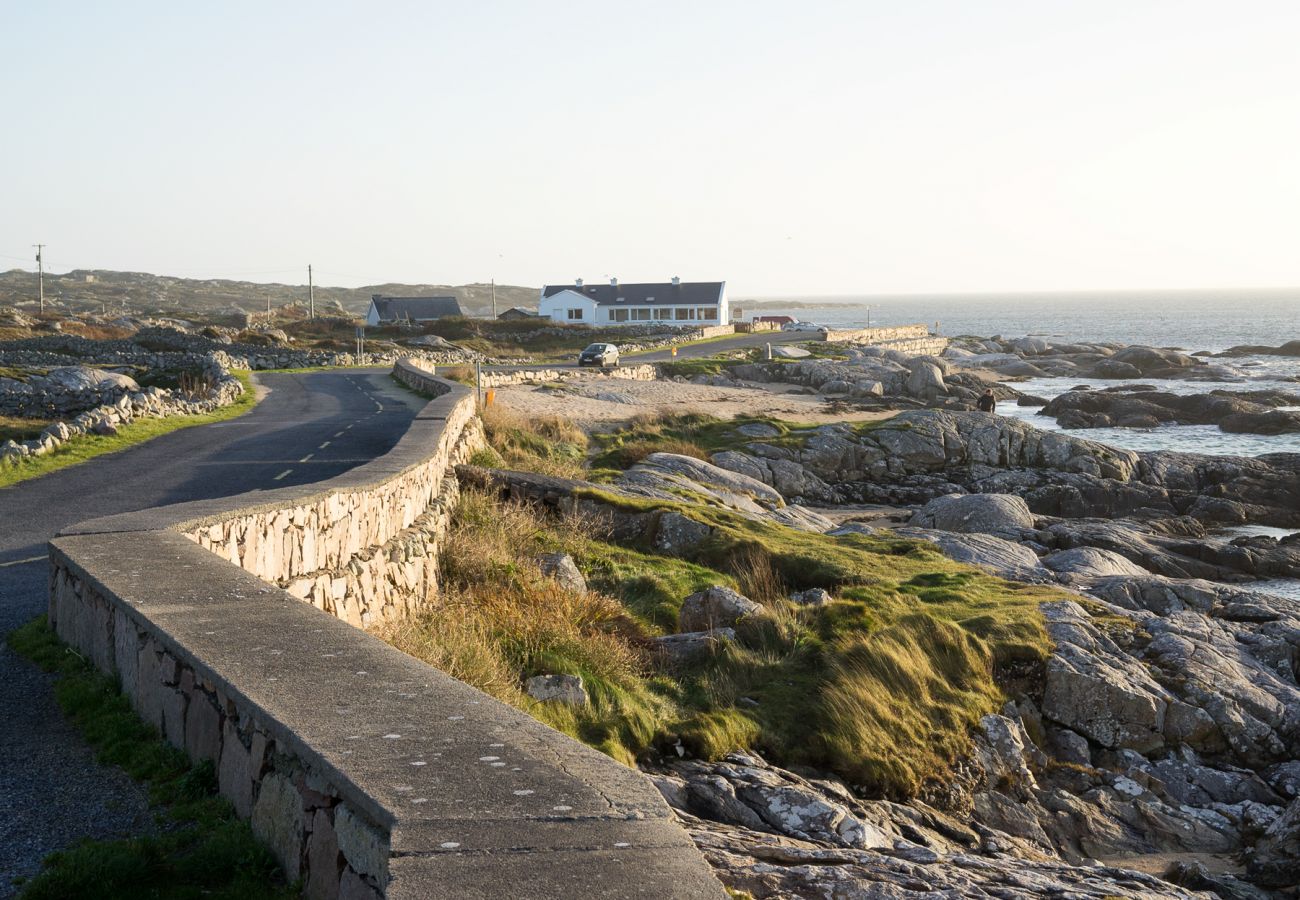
[[641, 315], [618, 315], [575, 314], [683, 313], [709, 312], [663, 313]]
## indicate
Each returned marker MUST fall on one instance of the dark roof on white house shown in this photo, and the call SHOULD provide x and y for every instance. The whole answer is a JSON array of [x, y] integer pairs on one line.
[[689, 293], [414, 308]]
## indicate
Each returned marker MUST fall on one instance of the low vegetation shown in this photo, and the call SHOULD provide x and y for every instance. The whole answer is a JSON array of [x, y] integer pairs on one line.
[[546, 444], [17, 428], [199, 847], [690, 434], [89, 446], [882, 685]]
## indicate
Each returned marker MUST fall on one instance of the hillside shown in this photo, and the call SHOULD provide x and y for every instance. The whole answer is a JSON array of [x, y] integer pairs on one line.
[[139, 293]]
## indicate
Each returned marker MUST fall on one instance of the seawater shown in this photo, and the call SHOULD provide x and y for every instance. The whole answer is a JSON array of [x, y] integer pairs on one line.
[[1193, 320]]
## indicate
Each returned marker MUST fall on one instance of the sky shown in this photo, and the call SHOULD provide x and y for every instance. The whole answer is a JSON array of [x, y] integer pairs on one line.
[[794, 148]]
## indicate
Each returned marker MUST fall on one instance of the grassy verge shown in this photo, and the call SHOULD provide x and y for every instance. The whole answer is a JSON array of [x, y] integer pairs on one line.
[[201, 849], [17, 428], [690, 434], [86, 447], [882, 685]]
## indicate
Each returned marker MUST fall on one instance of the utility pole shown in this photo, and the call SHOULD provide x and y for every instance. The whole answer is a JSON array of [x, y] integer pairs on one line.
[[40, 274], [311, 294], [494, 298]]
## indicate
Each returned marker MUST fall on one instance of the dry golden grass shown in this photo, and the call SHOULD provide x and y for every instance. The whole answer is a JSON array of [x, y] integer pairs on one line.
[[498, 621], [549, 445]]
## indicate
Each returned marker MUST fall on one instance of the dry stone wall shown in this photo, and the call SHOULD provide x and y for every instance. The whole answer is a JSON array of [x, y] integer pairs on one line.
[[367, 772], [542, 376], [366, 555], [879, 335]]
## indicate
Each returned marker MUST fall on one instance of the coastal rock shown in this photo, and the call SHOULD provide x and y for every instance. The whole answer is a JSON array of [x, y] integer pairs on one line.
[[689, 645], [715, 607], [676, 534], [564, 570], [1096, 689], [1090, 562], [660, 474], [1276, 860], [1003, 515], [993, 554], [565, 689]]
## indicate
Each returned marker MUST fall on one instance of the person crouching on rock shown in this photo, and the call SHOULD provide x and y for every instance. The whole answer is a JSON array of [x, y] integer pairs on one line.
[[987, 402]]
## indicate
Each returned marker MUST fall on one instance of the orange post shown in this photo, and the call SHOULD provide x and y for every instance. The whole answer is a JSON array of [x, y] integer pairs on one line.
[[489, 396], [674, 352]]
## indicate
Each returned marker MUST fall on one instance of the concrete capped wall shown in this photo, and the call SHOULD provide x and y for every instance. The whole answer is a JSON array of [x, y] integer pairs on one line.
[[369, 773], [878, 335]]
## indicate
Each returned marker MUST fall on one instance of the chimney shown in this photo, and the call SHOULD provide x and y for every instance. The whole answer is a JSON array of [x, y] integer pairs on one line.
[[577, 282], [676, 281], [613, 282]]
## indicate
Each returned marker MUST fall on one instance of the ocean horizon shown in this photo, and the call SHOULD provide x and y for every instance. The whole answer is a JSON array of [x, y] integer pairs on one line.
[[1189, 319]]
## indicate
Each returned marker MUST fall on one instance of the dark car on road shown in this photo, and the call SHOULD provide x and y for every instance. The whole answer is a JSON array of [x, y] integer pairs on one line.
[[599, 355]]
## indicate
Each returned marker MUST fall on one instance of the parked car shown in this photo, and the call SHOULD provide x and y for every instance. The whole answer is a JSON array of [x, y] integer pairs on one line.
[[803, 326], [599, 355]]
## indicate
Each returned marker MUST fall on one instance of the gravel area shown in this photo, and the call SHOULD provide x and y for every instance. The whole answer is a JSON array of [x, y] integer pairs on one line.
[[52, 791], [608, 401]]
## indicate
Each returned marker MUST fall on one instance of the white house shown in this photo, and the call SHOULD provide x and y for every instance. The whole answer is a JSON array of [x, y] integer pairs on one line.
[[678, 302], [411, 310]]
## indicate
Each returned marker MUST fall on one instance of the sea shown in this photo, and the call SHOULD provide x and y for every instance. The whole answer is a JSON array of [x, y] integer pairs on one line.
[[1191, 321]]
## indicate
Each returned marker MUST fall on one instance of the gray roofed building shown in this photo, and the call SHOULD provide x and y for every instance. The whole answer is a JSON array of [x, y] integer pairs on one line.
[[690, 293], [410, 309], [691, 304]]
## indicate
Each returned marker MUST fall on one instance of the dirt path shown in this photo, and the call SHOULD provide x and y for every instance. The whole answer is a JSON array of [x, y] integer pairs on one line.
[[607, 401]]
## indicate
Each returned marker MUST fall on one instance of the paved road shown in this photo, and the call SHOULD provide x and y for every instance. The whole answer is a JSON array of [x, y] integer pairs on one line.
[[308, 428]]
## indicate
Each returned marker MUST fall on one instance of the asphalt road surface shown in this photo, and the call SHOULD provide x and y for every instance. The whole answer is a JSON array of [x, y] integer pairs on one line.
[[308, 428]]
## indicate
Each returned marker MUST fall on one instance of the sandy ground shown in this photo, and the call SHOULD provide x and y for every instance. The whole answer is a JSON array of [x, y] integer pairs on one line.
[[608, 401]]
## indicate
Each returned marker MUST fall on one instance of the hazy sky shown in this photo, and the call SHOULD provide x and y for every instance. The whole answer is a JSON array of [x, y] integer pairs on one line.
[[798, 147]]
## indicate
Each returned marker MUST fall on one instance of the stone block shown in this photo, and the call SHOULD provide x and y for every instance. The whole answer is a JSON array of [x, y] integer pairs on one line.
[[324, 862], [126, 655], [149, 691], [173, 715], [234, 771], [362, 845], [202, 728], [354, 887], [278, 821], [169, 670]]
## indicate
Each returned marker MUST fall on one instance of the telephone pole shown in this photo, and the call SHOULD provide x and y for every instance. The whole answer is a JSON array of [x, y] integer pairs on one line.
[[311, 294], [40, 274]]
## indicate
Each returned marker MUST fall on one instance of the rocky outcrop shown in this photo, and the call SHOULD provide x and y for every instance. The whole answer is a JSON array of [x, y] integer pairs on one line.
[[922, 454], [1256, 412], [775, 834], [1003, 515], [1037, 357], [715, 607]]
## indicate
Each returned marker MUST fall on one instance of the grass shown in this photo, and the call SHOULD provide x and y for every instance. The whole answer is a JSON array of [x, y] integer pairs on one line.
[[690, 434], [201, 849], [546, 444], [881, 686], [13, 428], [87, 447]]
